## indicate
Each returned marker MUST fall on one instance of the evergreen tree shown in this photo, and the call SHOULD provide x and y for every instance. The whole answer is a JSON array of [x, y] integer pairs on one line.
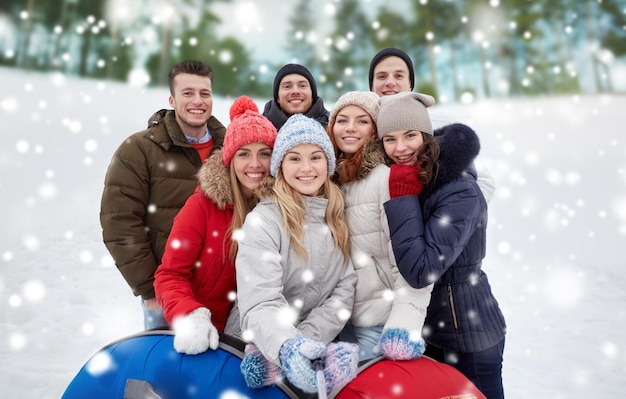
[[301, 35], [422, 36], [351, 49], [390, 30]]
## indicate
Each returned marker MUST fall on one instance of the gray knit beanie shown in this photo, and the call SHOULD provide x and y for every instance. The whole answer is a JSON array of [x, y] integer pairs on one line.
[[368, 100], [404, 111], [300, 129]]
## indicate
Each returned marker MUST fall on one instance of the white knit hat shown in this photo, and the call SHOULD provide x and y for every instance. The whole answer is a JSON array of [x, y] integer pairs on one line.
[[404, 111], [300, 129], [368, 100]]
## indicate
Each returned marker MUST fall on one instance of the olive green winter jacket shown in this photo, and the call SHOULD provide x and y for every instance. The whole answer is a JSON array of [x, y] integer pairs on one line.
[[151, 175]]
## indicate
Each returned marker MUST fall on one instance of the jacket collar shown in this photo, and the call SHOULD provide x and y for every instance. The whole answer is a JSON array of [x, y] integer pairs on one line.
[[173, 135], [278, 118]]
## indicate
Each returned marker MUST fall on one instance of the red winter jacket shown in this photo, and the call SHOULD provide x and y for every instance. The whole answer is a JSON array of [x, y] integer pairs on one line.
[[196, 270]]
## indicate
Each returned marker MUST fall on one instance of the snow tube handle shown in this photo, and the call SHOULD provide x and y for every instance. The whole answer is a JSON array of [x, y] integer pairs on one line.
[[139, 389]]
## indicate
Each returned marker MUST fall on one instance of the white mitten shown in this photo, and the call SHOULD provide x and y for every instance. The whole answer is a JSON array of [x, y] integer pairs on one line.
[[195, 333]]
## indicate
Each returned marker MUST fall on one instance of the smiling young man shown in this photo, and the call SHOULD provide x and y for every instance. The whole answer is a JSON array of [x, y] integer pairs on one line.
[[391, 71], [295, 92], [151, 175]]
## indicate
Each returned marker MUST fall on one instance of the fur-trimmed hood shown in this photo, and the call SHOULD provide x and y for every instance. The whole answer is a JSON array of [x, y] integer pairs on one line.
[[214, 180], [266, 188], [373, 155], [459, 146]]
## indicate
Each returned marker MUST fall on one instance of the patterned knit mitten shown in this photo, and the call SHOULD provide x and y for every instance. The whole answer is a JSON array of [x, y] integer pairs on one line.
[[296, 355], [257, 370], [341, 363], [399, 344]]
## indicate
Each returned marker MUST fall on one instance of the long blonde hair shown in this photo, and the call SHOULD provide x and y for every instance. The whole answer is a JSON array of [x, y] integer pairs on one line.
[[241, 207], [293, 209]]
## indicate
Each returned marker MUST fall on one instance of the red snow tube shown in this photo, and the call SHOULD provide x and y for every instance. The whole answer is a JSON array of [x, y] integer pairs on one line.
[[422, 378]]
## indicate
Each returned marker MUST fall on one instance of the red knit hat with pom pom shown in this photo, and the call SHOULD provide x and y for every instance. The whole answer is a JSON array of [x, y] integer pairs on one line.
[[247, 126]]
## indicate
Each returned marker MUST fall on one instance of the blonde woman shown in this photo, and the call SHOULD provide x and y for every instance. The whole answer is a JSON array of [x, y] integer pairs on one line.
[[294, 275]]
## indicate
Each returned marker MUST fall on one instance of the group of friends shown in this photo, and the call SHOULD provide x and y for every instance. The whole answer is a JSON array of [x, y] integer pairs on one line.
[[337, 236]]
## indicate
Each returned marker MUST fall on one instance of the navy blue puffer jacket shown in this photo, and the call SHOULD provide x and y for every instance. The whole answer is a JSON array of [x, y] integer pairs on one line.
[[440, 237]]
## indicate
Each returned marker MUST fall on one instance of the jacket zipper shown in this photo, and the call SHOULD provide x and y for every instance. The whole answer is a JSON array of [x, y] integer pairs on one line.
[[451, 298]]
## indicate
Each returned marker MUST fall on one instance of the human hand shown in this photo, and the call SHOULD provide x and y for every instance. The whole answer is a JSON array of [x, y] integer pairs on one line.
[[341, 363], [257, 370], [194, 332], [403, 180], [399, 344], [296, 356]]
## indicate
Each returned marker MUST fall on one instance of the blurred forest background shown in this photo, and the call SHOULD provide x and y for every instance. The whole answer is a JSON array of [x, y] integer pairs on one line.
[[475, 48]]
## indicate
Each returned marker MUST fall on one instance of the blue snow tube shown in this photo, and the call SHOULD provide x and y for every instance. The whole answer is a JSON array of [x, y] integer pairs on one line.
[[146, 365]]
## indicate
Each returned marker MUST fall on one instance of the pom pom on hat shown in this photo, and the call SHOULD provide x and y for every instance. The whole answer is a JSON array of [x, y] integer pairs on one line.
[[404, 111], [246, 126], [241, 105], [392, 52], [300, 129], [368, 100], [299, 70]]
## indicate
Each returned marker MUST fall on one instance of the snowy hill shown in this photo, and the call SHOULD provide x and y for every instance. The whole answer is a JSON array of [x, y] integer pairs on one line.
[[555, 258]]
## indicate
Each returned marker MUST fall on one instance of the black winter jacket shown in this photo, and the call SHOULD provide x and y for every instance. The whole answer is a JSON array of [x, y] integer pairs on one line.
[[277, 116]]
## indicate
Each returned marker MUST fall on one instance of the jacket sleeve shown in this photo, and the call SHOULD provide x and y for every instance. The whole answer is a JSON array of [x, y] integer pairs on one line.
[[425, 249], [263, 309], [409, 306], [173, 277], [122, 212]]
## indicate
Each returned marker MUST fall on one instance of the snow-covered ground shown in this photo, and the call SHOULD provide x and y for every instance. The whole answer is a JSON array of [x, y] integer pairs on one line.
[[556, 237]]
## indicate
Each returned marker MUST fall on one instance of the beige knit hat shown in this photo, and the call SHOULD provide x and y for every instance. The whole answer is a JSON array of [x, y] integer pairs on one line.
[[404, 111], [368, 100]]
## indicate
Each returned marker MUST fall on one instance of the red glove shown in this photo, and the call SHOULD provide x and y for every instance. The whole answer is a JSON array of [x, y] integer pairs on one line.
[[403, 180]]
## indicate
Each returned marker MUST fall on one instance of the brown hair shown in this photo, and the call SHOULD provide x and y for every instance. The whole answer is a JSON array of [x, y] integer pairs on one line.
[[427, 158], [192, 67]]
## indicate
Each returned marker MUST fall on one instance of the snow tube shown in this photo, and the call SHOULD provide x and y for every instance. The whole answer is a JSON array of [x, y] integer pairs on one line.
[[422, 378], [146, 365]]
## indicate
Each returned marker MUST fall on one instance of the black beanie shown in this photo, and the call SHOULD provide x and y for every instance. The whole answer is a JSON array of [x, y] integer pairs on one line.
[[388, 52], [297, 69]]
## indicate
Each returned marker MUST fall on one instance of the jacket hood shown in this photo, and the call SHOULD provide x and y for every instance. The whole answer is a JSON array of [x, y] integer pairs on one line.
[[266, 188], [157, 117], [214, 180], [163, 129], [459, 146]]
